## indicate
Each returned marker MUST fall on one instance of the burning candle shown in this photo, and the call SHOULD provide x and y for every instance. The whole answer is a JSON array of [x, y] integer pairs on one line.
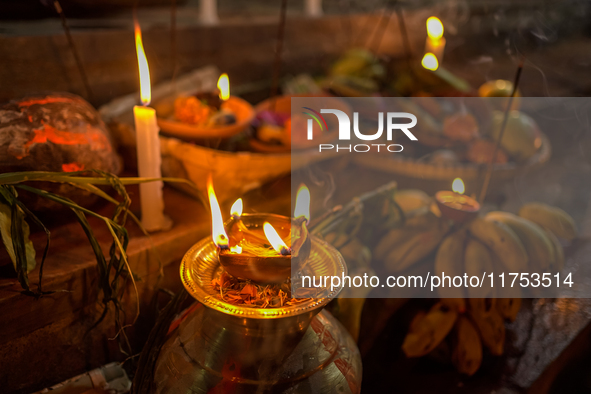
[[455, 205], [148, 148], [435, 42], [224, 86], [430, 62]]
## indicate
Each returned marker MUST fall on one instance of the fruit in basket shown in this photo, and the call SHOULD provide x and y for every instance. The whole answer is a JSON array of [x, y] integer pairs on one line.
[[551, 218], [460, 127], [411, 199], [522, 137], [481, 151]]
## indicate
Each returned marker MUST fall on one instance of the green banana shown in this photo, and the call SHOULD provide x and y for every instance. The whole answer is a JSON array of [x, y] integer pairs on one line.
[[537, 245], [550, 218], [426, 332], [502, 241], [467, 347]]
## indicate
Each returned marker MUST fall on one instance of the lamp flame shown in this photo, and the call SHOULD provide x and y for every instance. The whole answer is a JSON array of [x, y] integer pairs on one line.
[[430, 62], [224, 86], [236, 210], [142, 61], [218, 233], [274, 239], [302, 205], [434, 28], [236, 249], [458, 186]]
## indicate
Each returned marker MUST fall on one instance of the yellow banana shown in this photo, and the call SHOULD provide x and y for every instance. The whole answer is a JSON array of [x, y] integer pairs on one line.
[[419, 246], [449, 262], [537, 245], [467, 351], [558, 252], [502, 241], [428, 331], [508, 308], [492, 330], [551, 218], [478, 261], [391, 240]]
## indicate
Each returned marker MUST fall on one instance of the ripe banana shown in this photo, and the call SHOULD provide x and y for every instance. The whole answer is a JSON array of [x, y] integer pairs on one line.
[[551, 218], [467, 348], [492, 330], [558, 252], [502, 241], [478, 261], [426, 332], [509, 307], [449, 262], [533, 237], [420, 244]]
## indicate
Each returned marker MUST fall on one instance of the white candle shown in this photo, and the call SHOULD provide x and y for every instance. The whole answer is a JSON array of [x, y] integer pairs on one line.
[[148, 149]]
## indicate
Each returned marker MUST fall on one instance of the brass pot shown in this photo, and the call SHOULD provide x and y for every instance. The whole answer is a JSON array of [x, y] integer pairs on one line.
[[224, 348]]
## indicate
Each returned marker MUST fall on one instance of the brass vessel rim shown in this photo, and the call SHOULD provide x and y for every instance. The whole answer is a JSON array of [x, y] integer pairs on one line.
[[204, 253]]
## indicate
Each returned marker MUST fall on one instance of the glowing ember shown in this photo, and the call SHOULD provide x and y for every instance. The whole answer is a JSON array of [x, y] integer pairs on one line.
[[275, 240], [218, 233], [224, 86], [434, 28], [430, 62], [145, 88], [458, 186], [302, 205]]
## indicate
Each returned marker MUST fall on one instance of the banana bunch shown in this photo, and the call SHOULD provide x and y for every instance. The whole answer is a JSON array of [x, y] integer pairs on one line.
[[473, 318], [404, 246]]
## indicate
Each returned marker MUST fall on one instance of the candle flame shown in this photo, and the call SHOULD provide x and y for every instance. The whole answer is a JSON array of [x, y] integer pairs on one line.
[[458, 186], [434, 28], [302, 205], [224, 86], [430, 62], [218, 233], [237, 207], [274, 238], [145, 88], [236, 249]]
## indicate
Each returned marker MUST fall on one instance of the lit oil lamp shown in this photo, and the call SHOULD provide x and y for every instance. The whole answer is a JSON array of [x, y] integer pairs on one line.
[[435, 43], [261, 247], [455, 205]]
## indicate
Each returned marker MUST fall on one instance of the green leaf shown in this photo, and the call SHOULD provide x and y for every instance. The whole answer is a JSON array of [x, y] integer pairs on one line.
[[6, 222]]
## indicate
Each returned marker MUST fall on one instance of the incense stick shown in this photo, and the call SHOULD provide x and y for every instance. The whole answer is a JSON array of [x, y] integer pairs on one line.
[[405, 39], [66, 27], [501, 133], [374, 44], [278, 53]]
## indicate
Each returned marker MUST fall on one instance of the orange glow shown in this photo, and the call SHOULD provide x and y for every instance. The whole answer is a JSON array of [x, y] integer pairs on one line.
[[430, 62], [145, 88], [224, 86], [274, 239], [434, 28], [218, 233], [237, 207], [458, 186], [302, 205]]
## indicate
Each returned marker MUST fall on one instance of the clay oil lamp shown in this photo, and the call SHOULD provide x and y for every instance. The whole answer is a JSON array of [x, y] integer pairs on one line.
[[455, 205], [261, 247]]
